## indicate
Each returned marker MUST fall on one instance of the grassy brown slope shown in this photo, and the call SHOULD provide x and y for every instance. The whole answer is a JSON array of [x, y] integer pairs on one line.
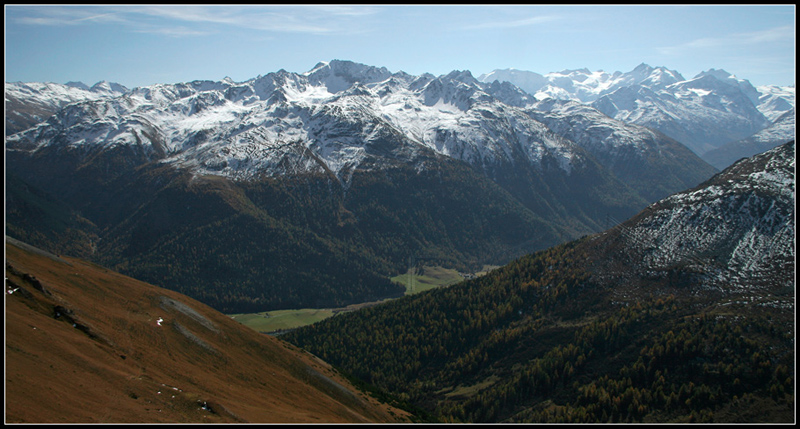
[[106, 358]]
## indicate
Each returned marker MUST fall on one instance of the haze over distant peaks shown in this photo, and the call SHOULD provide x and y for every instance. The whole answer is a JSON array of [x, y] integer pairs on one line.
[[705, 112]]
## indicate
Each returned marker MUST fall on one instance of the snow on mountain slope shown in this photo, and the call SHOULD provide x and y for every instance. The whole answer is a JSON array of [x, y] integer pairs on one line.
[[285, 122], [528, 81], [705, 112], [654, 163], [742, 84], [739, 225], [775, 100], [781, 131], [30, 103], [583, 85], [454, 116], [338, 75], [46, 93], [588, 126], [702, 113], [728, 95]]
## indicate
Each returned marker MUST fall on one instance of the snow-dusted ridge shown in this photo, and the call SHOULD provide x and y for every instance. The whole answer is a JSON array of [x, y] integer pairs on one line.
[[782, 130], [341, 115], [775, 100], [30, 103], [739, 224], [583, 85], [705, 112], [329, 118]]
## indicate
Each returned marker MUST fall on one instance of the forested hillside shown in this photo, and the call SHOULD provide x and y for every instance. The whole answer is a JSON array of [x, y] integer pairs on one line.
[[614, 327], [281, 243], [540, 341]]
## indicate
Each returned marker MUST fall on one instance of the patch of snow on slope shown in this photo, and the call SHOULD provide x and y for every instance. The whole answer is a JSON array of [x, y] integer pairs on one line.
[[741, 227]]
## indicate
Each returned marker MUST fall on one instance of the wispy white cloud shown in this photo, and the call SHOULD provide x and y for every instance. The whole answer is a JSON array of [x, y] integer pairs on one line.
[[349, 10], [194, 20], [513, 23], [771, 35], [237, 17], [64, 16], [102, 17], [776, 34], [176, 31]]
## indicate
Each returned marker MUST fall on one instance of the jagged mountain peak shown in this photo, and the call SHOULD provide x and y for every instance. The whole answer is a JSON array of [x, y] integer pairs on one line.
[[509, 93], [704, 81], [339, 75], [79, 85], [499, 74], [108, 87], [729, 79], [528, 81], [734, 95], [464, 76], [661, 77], [720, 74], [713, 77], [573, 72], [457, 88]]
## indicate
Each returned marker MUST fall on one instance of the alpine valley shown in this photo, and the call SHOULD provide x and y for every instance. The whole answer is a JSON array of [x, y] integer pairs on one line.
[[296, 190], [684, 313]]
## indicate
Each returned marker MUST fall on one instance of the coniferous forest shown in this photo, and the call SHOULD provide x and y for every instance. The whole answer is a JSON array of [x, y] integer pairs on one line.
[[541, 340]]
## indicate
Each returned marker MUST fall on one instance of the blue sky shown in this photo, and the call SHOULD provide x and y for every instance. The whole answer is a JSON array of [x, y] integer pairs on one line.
[[141, 45]]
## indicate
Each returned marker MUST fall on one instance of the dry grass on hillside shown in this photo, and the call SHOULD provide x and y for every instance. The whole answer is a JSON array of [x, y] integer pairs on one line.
[[85, 344]]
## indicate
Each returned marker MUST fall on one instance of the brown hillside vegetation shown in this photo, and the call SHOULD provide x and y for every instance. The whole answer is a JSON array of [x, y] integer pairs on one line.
[[85, 344]]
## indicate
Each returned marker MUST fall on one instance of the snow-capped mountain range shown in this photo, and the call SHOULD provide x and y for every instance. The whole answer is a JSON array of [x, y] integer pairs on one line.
[[587, 86], [705, 112], [345, 162], [583, 85], [623, 148], [30, 103], [333, 118], [775, 101]]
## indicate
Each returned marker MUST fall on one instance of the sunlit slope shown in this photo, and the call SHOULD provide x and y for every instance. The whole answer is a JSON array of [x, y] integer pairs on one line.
[[85, 344]]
